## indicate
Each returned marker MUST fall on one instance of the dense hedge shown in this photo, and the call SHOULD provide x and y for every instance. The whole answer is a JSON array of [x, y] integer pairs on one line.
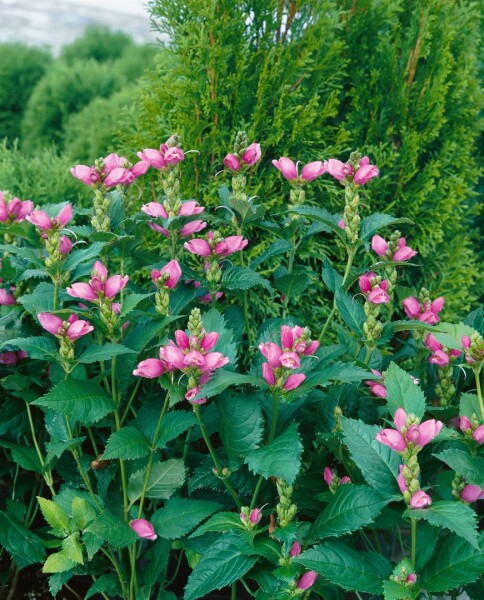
[[399, 78]]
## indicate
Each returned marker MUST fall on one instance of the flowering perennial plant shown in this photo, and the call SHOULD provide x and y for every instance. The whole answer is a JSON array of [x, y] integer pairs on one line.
[[176, 448]]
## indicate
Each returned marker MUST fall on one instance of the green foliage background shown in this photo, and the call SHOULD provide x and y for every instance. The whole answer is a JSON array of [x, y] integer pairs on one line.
[[398, 79]]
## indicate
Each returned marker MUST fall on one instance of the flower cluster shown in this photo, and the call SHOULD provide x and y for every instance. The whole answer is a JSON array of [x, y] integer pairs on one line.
[[190, 354], [308, 173], [109, 171], [165, 279], [333, 481], [423, 308], [12, 358], [13, 210], [395, 249], [374, 288], [185, 209], [168, 154], [472, 429], [348, 172], [250, 518], [249, 157], [56, 245], [216, 246], [73, 328], [284, 359], [473, 347], [440, 356], [403, 574], [6, 296]]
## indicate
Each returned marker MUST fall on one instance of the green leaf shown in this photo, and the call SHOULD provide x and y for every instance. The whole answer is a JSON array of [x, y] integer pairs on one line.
[[91, 252], [469, 405], [95, 353], [222, 564], [402, 392], [243, 278], [165, 478], [427, 536], [25, 457], [454, 563], [280, 458], [128, 443], [351, 311], [350, 509], [180, 515], [291, 284], [108, 584], [469, 466], [331, 277], [24, 546], [377, 462], [113, 530], [38, 347], [82, 512], [276, 248], [131, 302], [223, 379], [55, 516], [41, 299], [456, 516], [72, 547], [322, 216], [84, 401], [173, 424], [241, 423], [351, 569], [373, 223], [395, 591], [58, 563], [222, 522], [214, 321]]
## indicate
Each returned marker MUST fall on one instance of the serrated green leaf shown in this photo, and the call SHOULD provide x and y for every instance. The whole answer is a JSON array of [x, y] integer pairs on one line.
[[107, 583], [165, 478], [84, 401], [351, 311], [113, 530], [241, 423], [395, 591], [351, 569], [93, 251], [82, 512], [322, 216], [223, 522], [127, 444], [276, 248], [173, 424], [377, 462], [58, 563], [24, 546], [223, 379], [331, 277], [180, 515], [25, 457], [55, 516], [58, 447], [456, 516], [222, 564], [469, 405], [131, 302], [351, 508], [291, 284], [371, 224], [72, 547], [41, 299], [471, 467], [38, 347], [95, 353], [243, 278], [280, 458], [454, 563], [402, 392]]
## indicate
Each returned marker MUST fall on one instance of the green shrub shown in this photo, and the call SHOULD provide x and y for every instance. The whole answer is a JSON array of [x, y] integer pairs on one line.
[[21, 68], [399, 78], [99, 43]]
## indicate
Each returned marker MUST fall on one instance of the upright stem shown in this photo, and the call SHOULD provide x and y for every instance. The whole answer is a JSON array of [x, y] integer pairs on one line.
[[233, 591], [46, 474], [351, 255], [369, 352], [56, 292], [477, 375], [413, 524], [218, 466]]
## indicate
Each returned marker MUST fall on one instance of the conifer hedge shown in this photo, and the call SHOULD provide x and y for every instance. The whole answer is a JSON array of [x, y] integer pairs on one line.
[[314, 79]]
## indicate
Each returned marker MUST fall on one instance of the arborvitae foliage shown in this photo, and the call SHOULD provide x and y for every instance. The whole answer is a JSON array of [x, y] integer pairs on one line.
[[21, 68], [396, 78]]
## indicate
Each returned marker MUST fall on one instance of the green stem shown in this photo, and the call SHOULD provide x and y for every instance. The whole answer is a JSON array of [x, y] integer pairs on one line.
[[46, 474], [233, 591], [122, 581], [477, 375], [56, 292], [369, 352], [152, 454], [351, 255], [413, 524], [130, 401], [122, 469], [218, 466]]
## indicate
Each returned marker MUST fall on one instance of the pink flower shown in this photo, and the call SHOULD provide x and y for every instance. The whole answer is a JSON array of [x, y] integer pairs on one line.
[[312, 170], [471, 493], [199, 247], [170, 274], [404, 252], [411, 306], [290, 360], [344, 480], [272, 352], [338, 169], [439, 358], [294, 381], [83, 291], [99, 286], [151, 368], [114, 161], [437, 305], [478, 434], [378, 296], [401, 480], [87, 175], [401, 254], [230, 244], [432, 343], [328, 476], [307, 580], [155, 209], [51, 323], [232, 162], [41, 219], [427, 431], [191, 228], [78, 328], [287, 167], [268, 374], [173, 357], [144, 529], [342, 224], [295, 549], [252, 154], [255, 516], [209, 341], [420, 500], [378, 389], [393, 439], [6, 299], [174, 155], [464, 424], [65, 245], [119, 176], [379, 245], [412, 578], [114, 285], [190, 208], [365, 172], [214, 360], [15, 209]]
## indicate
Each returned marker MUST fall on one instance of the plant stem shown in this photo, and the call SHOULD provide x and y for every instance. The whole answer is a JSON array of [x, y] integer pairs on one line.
[[130, 401], [118, 571], [233, 591], [46, 473], [152, 454], [369, 352], [351, 255], [477, 375], [218, 466], [413, 524]]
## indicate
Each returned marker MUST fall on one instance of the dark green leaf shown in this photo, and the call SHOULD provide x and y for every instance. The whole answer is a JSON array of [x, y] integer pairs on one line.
[[113, 530], [222, 522], [165, 478], [180, 515], [464, 463], [243, 278], [373, 223], [128, 443], [95, 353], [24, 546], [351, 311], [223, 379], [38, 347], [292, 284], [276, 248], [402, 392], [322, 216]]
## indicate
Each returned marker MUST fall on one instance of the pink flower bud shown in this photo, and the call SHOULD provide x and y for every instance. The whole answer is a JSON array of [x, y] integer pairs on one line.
[[182, 339], [155, 209], [365, 173], [40, 219], [119, 176], [379, 245], [113, 161], [401, 480], [209, 341], [268, 374], [190, 208], [151, 368], [345, 480], [6, 299], [328, 475], [311, 348], [437, 305], [466, 341], [79, 328], [65, 245], [173, 270], [342, 224], [337, 169], [294, 381], [231, 244], [87, 175], [140, 168], [174, 156], [290, 360], [252, 154], [432, 343], [428, 430], [378, 296], [307, 580], [190, 396], [439, 358], [464, 424], [393, 439], [232, 162], [412, 578], [192, 227], [173, 357], [255, 516], [377, 389], [214, 360], [478, 434], [404, 253], [144, 529], [312, 170], [272, 352], [114, 285], [400, 418], [411, 306], [295, 550], [198, 246], [364, 281], [194, 358], [420, 500], [51, 323], [429, 317], [471, 493], [287, 167]]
